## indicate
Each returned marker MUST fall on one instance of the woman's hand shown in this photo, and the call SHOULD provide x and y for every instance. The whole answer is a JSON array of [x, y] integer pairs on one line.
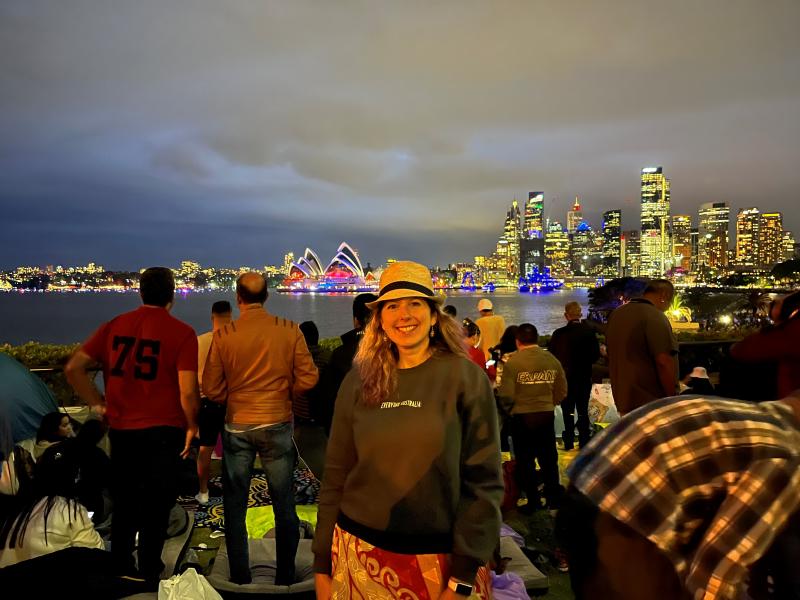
[[322, 584]]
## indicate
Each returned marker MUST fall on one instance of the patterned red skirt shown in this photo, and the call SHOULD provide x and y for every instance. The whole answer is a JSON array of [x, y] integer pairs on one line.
[[363, 571]]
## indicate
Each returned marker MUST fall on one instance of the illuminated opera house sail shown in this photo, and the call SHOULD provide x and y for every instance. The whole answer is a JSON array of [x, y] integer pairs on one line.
[[343, 273]]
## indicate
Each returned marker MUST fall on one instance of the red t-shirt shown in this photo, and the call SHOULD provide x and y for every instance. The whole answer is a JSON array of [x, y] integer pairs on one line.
[[476, 356], [141, 352]]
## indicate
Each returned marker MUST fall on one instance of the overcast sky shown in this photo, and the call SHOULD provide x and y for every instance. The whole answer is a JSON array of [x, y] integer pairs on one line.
[[143, 132]]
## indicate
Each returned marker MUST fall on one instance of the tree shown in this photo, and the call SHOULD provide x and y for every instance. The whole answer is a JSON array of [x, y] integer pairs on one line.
[[788, 270], [755, 303]]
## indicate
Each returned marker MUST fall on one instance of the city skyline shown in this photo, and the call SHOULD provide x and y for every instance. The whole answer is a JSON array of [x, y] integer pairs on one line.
[[140, 134]]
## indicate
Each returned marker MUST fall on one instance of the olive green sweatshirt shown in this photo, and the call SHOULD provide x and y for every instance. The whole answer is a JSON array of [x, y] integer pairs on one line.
[[533, 381], [420, 473]]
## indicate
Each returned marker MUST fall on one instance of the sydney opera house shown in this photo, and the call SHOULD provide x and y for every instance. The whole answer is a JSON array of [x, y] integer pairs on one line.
[[344, 273]]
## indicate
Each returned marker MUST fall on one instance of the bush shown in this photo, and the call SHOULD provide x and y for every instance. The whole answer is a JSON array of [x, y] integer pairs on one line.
[[35, 355]]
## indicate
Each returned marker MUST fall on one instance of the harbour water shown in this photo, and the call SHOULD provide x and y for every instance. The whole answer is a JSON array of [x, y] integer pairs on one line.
[[65, 318]]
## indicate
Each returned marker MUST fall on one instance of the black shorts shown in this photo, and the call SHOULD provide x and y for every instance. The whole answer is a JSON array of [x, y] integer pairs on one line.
[[210, 421]]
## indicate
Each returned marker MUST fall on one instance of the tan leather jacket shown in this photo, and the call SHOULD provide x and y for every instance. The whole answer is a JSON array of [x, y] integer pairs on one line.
[[258, 363]]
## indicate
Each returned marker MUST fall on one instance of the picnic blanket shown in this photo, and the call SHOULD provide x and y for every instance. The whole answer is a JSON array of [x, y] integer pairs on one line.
[[306, 492]]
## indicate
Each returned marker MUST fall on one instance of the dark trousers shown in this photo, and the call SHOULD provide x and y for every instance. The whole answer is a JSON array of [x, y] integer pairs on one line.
[[534, 439], [578, 393], [145, 467]]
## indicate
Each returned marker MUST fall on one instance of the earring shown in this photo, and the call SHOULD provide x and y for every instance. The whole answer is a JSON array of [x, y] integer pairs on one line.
[[385, 338], [433, 331]]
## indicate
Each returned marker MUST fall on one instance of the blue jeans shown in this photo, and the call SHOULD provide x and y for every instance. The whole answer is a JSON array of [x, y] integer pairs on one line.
[[277, 452]]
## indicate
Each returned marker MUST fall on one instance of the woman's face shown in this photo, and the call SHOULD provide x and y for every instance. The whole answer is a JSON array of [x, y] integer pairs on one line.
[[407, 322], [65, 428]]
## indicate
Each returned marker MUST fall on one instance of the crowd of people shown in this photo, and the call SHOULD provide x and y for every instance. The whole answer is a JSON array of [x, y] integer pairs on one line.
[[687, 495]]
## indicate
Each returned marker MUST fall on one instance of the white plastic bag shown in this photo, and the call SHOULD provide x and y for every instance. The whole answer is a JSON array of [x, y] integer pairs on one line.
[[189, 585]]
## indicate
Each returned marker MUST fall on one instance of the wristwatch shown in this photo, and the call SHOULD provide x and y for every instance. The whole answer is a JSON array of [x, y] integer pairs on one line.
[[459, 587]]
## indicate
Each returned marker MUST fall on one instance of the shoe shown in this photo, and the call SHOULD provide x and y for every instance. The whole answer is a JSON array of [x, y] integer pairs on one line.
[[568, 447], [202, 498]]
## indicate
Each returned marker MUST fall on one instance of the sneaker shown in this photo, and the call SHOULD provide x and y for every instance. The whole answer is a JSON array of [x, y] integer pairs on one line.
[[202, 498]]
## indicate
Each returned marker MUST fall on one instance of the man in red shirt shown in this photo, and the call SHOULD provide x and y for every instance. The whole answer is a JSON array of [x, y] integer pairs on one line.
[[149, 361]]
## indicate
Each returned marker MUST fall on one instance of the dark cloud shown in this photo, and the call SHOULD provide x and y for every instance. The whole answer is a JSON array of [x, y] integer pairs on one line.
[[144, 132]]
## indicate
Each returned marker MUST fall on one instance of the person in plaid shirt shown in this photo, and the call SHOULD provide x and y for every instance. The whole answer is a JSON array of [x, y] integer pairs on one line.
[[688, 498]]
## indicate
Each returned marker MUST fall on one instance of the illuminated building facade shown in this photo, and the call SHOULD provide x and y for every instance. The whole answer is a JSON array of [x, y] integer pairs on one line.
[[557, 250], [748, 222], [586, 251], [630, 257], [574, 217], [682, 242], [344, 273], [534, 217], [790, 250], [612, 232], [770, 240], [656, 241], [713, 240]]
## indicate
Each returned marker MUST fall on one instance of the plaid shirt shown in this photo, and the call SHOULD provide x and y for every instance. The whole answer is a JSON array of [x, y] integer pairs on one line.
[[709, 481]]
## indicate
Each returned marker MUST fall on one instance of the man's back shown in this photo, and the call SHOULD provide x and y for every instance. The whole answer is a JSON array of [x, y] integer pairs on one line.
[[534, 380], [142, 352], [576, 348], [637, 332], [258, 363], [492, 327]]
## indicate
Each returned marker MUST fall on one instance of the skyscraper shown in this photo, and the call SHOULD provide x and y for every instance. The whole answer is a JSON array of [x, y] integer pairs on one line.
[[630, 257], [612, 230], [682, 242], [770, 240], [511, 235], [574, 217], [656, 238], [748, 221], [713, 240], [534, 216], [556, 250]]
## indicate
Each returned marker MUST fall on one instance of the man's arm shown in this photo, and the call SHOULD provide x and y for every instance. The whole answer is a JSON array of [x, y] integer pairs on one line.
[[190, 402], [665, 365], [78, 377], [214, 385]]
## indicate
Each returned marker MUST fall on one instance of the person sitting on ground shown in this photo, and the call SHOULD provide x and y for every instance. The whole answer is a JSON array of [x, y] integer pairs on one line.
[[50, 517], [472, 337], [697, 382], [48, 541], [682, 498], [56, 427]]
